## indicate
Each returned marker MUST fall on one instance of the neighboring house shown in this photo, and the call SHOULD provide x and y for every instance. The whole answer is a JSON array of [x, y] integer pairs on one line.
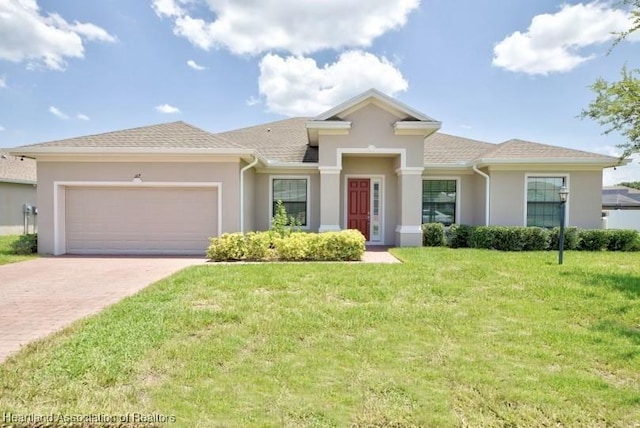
[[620, 198], [371, 163], [17, 189], [621, 207]]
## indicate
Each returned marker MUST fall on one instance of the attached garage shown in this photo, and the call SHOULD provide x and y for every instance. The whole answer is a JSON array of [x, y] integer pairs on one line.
[[135, 219]]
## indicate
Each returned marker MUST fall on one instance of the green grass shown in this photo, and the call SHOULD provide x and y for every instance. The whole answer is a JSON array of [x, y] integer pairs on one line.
[[6, 255], [449, 338]]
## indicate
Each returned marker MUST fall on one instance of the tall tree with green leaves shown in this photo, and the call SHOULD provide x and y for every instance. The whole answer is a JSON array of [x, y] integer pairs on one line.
[[617, 104]]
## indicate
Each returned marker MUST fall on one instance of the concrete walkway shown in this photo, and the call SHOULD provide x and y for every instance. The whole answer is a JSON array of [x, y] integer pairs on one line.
[[378, 254], [39, 297]]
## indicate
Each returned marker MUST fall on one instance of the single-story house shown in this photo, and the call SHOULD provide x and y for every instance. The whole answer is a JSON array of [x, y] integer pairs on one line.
[[620, 207], [371, 163], [17, 191]]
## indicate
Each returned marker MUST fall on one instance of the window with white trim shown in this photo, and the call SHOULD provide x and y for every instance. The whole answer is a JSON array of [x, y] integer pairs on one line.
[[439, 201], [293, 194], [543, 201]]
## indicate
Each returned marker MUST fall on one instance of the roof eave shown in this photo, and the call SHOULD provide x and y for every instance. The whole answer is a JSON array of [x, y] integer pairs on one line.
[[17, 181], [454, 165], [291, 165], [58, 150], [416, 128], [603, 162]]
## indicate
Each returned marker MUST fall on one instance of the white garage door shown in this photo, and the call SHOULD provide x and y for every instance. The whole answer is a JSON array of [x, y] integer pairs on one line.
[[149, 220]]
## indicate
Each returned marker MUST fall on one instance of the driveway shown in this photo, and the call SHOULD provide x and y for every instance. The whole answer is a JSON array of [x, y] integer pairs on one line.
[[41, 296]]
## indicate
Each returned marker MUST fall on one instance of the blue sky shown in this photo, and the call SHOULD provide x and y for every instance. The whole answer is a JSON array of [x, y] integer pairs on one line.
[[488, 69]]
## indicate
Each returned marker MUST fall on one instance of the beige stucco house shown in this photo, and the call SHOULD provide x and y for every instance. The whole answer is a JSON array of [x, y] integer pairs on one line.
[[17, 190], [371, 163]]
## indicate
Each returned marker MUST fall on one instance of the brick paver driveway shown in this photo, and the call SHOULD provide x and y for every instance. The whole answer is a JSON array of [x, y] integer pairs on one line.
[[41, 296]]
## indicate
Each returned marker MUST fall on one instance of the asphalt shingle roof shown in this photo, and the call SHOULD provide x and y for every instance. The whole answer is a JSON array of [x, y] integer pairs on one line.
[[282, 141], [442, 148], [620, 196], [519, 149], [14, 170], [165, 135], [287, 141]]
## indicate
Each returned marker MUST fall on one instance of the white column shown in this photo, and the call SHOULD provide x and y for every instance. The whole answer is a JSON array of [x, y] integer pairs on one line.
[[409, 230], [329, 199]]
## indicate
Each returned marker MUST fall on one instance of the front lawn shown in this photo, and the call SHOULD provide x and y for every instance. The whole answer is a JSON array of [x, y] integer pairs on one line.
[[6, 254], [449, 338]]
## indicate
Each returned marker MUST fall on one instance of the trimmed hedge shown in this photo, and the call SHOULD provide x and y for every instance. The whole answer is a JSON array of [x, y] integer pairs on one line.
[[459, 235], [346, 245], [517, 238], [433, 235], [571, 238], [593, 239], [623, 240]]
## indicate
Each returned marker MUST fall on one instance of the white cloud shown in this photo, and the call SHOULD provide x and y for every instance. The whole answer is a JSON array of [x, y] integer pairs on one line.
[[166, 108], [296, 86], [27, 35], [299, 27], [58, 113], [191, 63], [2, 128], [252, 101], [167, 7], [555, 42], [3, 82], [82, 116]]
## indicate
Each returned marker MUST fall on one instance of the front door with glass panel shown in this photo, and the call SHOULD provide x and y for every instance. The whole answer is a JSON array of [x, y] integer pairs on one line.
[[364, 207]]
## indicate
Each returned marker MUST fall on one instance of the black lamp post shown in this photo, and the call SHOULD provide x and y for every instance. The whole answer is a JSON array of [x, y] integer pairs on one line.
[[564, 194]]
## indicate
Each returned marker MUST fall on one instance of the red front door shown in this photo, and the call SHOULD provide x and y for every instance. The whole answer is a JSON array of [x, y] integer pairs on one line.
[[358, 202]]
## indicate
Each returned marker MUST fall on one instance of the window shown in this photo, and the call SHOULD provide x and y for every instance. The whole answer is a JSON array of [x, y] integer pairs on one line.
[[293, 194], [439, 201], [543, 201]]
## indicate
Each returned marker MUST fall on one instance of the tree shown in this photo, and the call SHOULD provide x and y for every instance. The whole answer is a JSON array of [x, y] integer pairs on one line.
[[617, 104], [630, 184]]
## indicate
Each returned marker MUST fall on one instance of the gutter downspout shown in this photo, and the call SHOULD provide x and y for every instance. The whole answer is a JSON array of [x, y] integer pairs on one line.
[[242, 171], [487, 197]]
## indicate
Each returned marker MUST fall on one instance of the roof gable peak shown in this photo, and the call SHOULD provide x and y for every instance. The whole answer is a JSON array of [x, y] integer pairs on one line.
[[374, 96]]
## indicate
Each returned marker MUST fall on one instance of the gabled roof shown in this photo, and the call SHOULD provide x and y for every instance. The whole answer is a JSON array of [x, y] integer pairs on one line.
[[383, 100], [165, 135], [291, 141], [281, 141], [15, 169]]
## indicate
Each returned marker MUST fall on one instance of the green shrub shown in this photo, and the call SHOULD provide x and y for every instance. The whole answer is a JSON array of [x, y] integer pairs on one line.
[[509, 238], [346, 245], [483, 237], [25, 244], [296, 246], [459, 235], [433, 235], [536, 239], [501, 238], [623, 240], [571, 238], [281, 224], [593, 239], [258, 246], [227, 247]]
